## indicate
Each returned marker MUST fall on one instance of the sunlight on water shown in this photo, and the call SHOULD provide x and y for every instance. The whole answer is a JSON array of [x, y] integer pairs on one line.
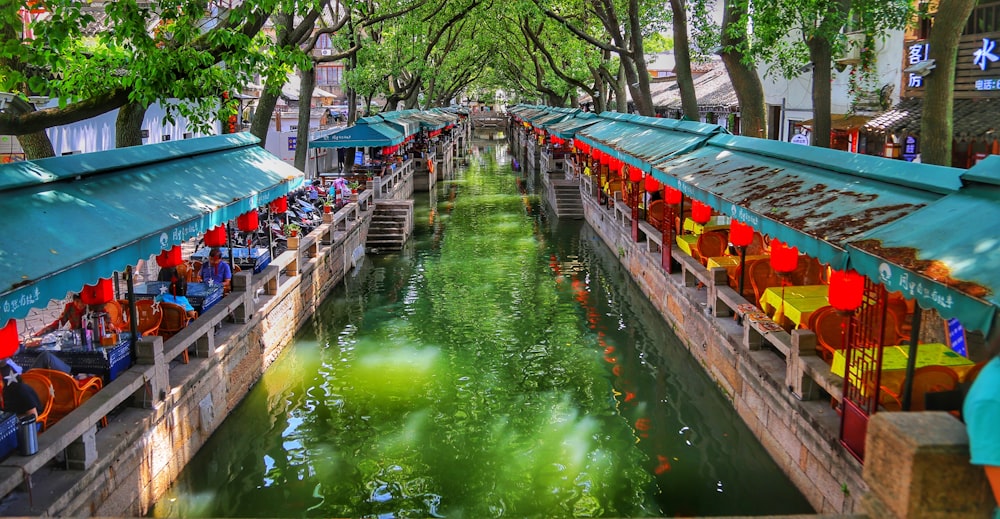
[[497, 368]]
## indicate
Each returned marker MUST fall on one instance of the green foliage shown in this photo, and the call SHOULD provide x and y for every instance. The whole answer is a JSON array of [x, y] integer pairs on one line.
[[658, 42]]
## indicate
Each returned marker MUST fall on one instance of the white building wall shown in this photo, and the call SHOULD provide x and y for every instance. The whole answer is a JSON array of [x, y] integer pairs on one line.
[[795, 95]]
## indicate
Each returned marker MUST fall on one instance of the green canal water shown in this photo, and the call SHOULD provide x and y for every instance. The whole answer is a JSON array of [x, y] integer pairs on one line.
[[503, 365]]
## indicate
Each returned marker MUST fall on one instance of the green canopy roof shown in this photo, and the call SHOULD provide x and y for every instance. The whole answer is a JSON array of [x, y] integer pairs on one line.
[[396, 121], [361, 135], [643, 141], [568, 128], [945, 255], [75, 219], [812, 198]]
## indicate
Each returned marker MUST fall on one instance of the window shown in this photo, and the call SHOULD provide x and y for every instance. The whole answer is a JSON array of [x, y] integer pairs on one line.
[[324, 42], [985, 18], [329, 74]]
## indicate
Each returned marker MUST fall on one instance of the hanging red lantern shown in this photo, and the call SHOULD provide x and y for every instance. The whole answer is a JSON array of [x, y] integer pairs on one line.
[[700, 212], [847, 290], [216, 236], [279, 205], [247, 221], [672, 196], [784, 259], [651, 184], [605, 159], [740, 234], [170, 257], [100, 293], [9, 341], [634, 174]]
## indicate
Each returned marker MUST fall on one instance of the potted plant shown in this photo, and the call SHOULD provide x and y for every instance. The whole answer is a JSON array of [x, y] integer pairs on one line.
[[327, 206], [292, 229], [354, 185]]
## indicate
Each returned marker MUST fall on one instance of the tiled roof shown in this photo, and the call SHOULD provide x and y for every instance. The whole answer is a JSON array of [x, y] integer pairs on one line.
[[974, 119]]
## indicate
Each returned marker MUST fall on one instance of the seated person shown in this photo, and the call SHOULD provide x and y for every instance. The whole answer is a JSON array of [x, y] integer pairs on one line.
[[49, 360], [177, 294], [18, 398], [216, 270], [166, 274], [72, 313]]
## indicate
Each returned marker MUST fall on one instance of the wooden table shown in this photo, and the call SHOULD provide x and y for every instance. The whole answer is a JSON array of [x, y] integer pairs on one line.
[[894, 362], [731, 262], [687, 242], [795, 303], [715, 223]]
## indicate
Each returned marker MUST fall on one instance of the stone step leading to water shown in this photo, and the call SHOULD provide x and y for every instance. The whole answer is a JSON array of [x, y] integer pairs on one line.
[[391, 226]]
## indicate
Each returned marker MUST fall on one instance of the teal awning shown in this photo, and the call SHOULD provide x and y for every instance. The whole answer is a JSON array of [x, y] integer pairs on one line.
[[944, 256], [641, 142], [75, 219], [568, 128], [361, 135], [812, 198], [399, 123]]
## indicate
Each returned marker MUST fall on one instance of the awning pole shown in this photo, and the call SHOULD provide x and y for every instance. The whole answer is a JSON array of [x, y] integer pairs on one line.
[[133, 316], [911, 360]]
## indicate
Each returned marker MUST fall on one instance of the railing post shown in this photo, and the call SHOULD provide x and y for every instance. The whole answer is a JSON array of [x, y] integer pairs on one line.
[[719, 277], [82, 453], [803, 345], [149, 351]]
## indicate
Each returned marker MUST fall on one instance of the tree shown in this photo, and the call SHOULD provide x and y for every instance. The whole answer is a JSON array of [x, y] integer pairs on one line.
[[936, 125], [742, 71], [798, 36]]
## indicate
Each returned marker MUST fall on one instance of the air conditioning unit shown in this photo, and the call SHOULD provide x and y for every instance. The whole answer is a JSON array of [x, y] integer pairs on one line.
[[324, 52], [852, 49]]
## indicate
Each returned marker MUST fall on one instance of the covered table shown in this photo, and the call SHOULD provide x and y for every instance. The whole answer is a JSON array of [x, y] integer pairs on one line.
[[894, 362], [105, 362], [794, 303], [253, 258], [201, 295]]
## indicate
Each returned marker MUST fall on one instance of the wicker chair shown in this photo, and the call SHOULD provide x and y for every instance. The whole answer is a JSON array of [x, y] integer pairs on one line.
[[928, 379], [175, 319], [828, 325], [710, 244], [67, 392], [46, 395], [762, 277], [656, 213], [149, 316]]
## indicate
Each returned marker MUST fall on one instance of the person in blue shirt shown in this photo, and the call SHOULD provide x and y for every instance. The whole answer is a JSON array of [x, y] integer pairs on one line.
[[216, 270], [177, 294], [981, 412]]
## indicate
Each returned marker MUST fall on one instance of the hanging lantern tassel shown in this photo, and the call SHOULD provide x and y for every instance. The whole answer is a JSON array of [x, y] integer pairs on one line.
[[701, 213], [847, 290], [169, 258], [100, 293], [247, 221], [216, 236], [784, 259], [9, 341]]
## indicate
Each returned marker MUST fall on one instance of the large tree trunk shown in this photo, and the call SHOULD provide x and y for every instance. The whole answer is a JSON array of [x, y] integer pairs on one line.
[[682, 64], [262, 116], [36, 145], [746, 82], [306, 87], [819, 53], [936, 126], [128, 125], [621, 100]]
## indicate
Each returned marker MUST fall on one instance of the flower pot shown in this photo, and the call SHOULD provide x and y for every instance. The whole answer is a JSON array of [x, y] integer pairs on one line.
[[327, 208]]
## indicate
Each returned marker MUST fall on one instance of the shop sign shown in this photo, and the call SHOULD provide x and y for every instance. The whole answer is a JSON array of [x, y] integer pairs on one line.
[[981, 57], [910, 150]]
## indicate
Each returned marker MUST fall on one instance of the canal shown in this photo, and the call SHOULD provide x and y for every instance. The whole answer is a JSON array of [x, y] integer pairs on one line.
[[503, 364]]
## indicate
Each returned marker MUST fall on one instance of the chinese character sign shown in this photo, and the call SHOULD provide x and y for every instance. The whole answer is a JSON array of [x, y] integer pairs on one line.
[[983, 56], [915, 81], [918, 52]]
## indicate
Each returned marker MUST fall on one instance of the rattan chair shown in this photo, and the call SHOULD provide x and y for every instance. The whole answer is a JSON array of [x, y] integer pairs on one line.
[[149, 317], [175, 319], [828, 325], [927, 379], [46, 395]]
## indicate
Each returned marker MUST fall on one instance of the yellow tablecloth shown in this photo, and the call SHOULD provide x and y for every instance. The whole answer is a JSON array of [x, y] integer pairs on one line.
[[794, 303], [687, 242], [894, 362], [715, 223], [731, 262]]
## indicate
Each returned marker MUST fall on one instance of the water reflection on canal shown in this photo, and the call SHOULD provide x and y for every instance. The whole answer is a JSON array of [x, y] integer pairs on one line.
[[502, 365]]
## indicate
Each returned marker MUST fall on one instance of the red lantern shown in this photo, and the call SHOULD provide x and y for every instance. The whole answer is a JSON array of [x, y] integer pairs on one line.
[[652, 184], [279, 205], [634, 174], [605, 158], [784, 259], [100, 293], [847, 290], [169, 258], [740, 234], [700, 212], [247, 221], [9, 340], [673, 196], [216, 236]]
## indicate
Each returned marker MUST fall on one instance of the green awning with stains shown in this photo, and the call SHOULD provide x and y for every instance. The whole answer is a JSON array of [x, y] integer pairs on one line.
[[396, 120], [812, 198], [75, 219], [641, 142], [568, 128], [945, 255]]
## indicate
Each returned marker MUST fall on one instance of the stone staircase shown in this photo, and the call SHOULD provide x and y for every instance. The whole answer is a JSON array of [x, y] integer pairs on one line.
[[564, 196], [391, 226]]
